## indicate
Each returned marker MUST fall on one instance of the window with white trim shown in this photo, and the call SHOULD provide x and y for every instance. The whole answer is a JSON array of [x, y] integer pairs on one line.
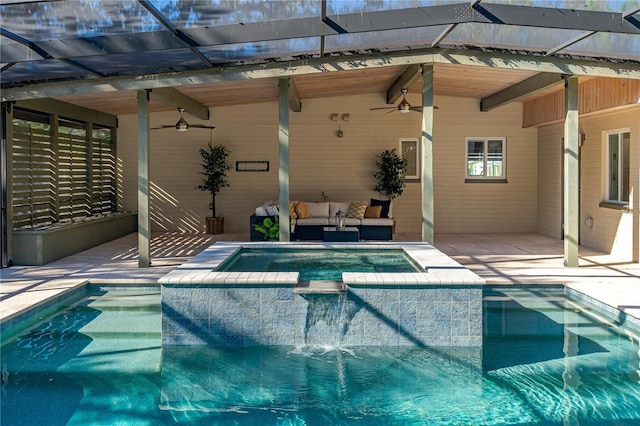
[[410, 150], [486, 158], [618, 145]]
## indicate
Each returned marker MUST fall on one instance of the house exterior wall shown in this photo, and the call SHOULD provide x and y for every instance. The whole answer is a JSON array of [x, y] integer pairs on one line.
[[612, 229], [340, 169]]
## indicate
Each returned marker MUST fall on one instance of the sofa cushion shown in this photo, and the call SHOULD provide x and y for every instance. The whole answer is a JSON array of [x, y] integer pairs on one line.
[[335, 206], [261, 211], [373, 212], [302, 211], [351, 221], [313, 221], [386, 207], [376, 222], [318, 209], [356, 209]]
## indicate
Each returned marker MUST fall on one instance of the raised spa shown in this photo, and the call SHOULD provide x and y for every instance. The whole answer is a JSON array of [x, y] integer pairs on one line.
[[319, 264], [205, 304]]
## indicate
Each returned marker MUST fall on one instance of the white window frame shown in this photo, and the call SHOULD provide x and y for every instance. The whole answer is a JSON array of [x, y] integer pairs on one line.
[[484, 177], [619, 172], [413, 156]]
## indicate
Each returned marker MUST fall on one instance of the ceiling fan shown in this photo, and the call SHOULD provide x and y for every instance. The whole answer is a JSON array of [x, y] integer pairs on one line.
[[182, 125], [403, 106]]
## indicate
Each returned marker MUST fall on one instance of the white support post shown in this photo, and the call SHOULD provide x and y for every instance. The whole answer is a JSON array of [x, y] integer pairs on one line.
[[571, 176], [283, 167], [144, 222], [426, 147]]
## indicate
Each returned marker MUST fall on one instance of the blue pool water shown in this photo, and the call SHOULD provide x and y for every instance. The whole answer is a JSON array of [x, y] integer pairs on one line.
[[319, 264], [545, 361]]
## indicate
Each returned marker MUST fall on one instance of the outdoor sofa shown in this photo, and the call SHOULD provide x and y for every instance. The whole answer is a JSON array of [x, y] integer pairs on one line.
[[373, 219]]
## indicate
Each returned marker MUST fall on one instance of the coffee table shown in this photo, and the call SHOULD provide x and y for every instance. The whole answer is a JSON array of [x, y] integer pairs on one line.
[[346, 234]]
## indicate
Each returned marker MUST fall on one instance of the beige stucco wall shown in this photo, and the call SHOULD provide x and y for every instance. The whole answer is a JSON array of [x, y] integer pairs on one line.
[[341, 168], [612, 229]]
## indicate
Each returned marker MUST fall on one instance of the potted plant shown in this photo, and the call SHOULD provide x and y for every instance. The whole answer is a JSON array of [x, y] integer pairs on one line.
[[390, 177], [215, 165], [391, 174], [269, 228]]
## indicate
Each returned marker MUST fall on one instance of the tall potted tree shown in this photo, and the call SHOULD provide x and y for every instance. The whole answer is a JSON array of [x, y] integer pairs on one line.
[[390, 176], [215, 166]]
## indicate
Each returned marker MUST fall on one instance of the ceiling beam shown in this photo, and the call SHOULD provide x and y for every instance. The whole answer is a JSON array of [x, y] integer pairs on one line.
[[328, 64], [295, 103], [406, 80], [176, 98], [520, 90]]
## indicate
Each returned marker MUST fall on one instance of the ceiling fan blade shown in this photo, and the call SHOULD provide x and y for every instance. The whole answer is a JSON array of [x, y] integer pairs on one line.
[[371, 109], [166, 126], [201, 126]]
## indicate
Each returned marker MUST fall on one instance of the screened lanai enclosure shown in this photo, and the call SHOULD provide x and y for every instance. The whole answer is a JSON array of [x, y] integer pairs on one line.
[[71, 69]]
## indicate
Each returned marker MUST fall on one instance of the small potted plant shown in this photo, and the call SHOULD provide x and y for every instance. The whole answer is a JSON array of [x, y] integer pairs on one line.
[[215, 166], [269, 228]]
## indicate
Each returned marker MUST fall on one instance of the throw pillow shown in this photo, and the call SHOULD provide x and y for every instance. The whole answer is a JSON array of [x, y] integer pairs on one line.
[[292, 210], [373, 212], [272, 210], [385, 206], [357, 209], [302, 210]]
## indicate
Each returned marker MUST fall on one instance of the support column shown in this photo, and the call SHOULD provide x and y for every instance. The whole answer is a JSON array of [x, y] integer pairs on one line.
[[634, 197], [283, 167], [144, 222], [571, 177], [6, 184], [426, 147]]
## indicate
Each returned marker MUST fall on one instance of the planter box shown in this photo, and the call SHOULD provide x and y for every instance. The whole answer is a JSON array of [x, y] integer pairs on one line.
[[214, 225], [44, 245]]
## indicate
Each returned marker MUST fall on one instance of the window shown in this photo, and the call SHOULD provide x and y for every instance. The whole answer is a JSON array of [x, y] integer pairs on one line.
[[618, 166], [409, 150], [485, 158]]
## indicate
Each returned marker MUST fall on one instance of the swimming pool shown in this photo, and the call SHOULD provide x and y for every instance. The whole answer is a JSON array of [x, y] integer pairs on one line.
[[545, 360], [319, 264]]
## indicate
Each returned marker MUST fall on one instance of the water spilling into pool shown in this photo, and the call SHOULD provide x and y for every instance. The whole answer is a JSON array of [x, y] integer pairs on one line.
[[545, 360]]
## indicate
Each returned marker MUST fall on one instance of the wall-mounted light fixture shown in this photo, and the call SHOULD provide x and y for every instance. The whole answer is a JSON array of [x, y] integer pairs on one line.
[[335, 116]]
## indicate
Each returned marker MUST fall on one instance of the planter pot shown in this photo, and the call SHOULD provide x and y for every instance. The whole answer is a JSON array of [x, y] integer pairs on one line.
[[215, 225]]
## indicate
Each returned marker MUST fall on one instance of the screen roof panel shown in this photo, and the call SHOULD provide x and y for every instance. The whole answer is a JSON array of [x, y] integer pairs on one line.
[[125, 37]]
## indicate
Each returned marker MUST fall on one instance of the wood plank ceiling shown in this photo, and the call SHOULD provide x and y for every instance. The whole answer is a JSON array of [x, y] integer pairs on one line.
[[449, 80]]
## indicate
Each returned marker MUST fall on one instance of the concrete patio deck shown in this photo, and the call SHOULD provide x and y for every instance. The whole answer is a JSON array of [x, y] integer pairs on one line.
[[518, 259]]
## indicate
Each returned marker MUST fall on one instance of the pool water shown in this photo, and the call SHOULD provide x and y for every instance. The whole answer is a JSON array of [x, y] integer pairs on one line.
[[319, 264], [545, 361]]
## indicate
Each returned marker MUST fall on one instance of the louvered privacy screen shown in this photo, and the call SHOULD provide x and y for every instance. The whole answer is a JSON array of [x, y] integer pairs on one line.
[[60, 179]]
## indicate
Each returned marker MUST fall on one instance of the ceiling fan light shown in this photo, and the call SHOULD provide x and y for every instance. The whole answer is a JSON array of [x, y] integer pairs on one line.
[[182, 125], [404, 108]]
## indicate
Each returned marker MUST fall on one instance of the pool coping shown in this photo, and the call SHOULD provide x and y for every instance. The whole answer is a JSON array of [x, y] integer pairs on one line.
[[439, 268]]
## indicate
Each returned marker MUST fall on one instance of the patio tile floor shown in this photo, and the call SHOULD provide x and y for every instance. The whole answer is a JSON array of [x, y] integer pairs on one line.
[[518, 259]]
